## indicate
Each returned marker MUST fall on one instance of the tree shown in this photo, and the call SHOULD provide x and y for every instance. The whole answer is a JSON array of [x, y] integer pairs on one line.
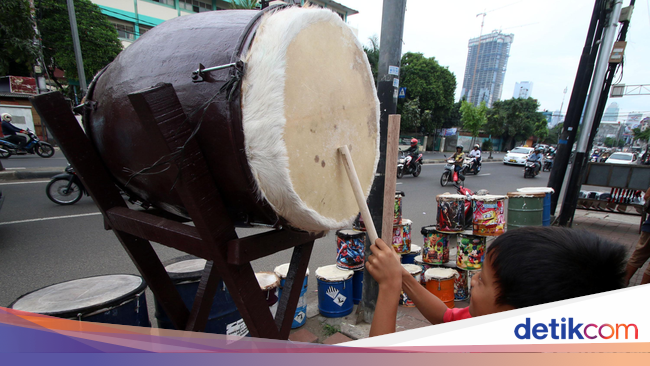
[[554, 134], [372, 52], [244, 4], [16, 38], [541, 130], [641, 135], [433, 85], [411, 116], [473, 118], [514, 119], [98, 38]]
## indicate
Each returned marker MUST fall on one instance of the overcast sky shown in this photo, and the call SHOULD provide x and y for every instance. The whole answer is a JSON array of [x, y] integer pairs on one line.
[[548, 39]]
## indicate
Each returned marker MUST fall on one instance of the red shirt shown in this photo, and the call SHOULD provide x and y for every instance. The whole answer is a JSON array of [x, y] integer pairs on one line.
[[456, 314]]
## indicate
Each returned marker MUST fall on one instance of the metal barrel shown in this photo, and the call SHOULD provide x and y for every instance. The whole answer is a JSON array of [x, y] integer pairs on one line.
[[525, 209], [546, 220]]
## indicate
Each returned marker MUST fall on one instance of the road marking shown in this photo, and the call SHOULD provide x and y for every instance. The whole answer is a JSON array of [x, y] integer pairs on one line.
[[50, 218], [398, 183], [14, 168], [484, 174], [28, 182]]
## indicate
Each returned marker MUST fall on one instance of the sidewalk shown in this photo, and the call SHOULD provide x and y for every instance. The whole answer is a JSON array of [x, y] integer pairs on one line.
[[623, 229]]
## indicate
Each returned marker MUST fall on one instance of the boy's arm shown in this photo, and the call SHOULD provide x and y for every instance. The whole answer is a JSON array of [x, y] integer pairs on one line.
[[386, 270], [427, 303]]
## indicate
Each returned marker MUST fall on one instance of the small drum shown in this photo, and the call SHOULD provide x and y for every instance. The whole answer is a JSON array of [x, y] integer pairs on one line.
[[113, 299], [440, 282], [402, 236], [357, 286], [416, 272], [409, 258], [451, 212], [269, 142], [398, 206], [470, 275], [461, 286], [546, 213], [334, 291], [489, 215], [471, 251], [300, 316], [424, 265], [436, 245], [525, 209], [224, 318], [269, 284], [350, 249]]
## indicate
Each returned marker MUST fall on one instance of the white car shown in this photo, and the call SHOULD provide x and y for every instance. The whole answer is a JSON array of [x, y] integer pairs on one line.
[[621, 158], [518, 155]]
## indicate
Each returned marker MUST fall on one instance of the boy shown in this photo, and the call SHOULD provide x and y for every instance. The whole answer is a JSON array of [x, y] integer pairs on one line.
[[523, 267]]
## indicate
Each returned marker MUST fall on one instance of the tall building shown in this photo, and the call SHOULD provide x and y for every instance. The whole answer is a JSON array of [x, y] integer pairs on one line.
[[523, 90], [611, 113], [485, 68]]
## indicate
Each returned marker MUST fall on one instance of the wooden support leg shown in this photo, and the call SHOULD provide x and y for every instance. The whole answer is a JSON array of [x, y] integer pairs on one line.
[[292, 287], [204, 298]]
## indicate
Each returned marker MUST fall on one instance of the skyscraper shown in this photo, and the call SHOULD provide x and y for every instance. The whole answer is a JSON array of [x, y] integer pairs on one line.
[[485, 68], [523, 90]]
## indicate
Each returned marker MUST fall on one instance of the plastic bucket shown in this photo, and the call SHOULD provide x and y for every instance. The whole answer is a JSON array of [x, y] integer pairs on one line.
[[548, 191], [334, 291], [525, 209], [410, 257], [357, 286], [300, 316]]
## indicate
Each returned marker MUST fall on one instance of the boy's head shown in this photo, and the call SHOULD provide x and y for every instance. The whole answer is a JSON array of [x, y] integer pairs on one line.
[[537, 265]]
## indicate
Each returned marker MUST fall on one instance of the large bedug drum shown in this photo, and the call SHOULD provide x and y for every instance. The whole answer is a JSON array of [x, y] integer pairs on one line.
[[297, 86]]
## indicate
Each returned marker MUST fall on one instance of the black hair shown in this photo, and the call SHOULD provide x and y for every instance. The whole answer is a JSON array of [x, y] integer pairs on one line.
[[537, 265]]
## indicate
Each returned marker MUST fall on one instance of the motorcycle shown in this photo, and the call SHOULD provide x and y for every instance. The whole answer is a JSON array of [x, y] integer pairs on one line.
[[529, 170], [471, 166], [406, 165], [65, 188], [450, 175], [548, 163], [34, 145], [469, 211]]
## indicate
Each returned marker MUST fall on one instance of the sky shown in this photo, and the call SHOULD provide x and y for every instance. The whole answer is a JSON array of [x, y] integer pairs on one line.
[[548, 39]]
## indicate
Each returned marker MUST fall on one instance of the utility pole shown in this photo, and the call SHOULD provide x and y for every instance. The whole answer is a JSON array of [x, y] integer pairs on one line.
[[77, 47], [571, 196], [577, 101], [390, 56]]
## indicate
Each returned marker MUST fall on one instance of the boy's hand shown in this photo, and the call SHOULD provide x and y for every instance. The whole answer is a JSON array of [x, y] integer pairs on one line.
[[384, 266]]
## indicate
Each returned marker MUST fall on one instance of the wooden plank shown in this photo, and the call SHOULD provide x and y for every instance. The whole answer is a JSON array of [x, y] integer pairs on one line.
[[292, 286], [250, 248], [203, 300], [392, 146]]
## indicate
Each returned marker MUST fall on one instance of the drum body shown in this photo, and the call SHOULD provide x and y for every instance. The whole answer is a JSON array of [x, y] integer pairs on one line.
[[436, 246], [402, 236], [451, 212], [471, 251], [461, 286], [488, 215], [470, 276], [440, 282], [409, 258], [416, 272], [357, 286], [300, 316], [398, 207], [270, 144], [548, 191], [424, 265], [269, 284], [350, 246], [335, 291], [113, 299], [525, 209], [224, 318]]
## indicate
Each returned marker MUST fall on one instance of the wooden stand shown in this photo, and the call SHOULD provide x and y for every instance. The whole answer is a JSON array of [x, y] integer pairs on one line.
[[213, 235]]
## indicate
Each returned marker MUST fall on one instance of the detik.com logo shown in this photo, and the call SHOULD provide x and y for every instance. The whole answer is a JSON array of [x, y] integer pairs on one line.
[[569, 330]]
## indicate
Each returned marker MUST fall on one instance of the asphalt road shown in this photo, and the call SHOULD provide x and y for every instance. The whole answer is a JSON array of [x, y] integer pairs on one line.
[[35, 161], [42, 243]]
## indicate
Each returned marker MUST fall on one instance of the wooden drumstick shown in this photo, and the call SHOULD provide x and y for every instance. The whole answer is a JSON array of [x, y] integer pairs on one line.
[[358, 193]]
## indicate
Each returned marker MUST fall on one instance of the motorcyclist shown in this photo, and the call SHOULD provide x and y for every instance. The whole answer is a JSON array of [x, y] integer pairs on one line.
[[11, 132], [537, 157], [413, 150], [459, 157], [476, 154]]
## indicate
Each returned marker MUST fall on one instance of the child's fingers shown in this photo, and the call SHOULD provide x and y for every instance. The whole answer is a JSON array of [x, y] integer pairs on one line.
[[381, 244]]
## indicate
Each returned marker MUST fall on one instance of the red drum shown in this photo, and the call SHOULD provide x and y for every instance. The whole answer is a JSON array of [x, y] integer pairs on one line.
[[270, 111]]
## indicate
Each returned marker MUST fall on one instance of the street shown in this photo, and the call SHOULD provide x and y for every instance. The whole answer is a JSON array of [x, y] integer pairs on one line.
[[43, 243]]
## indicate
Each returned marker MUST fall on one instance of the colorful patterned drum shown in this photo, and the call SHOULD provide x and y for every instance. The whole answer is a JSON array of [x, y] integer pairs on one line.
[[451, 212], [488, 215], [436, 245], [410, 257], [440, 282], [350, 249], [398, 206], [470, 275], [424, 265], [461, 286], [402, 236], [416, 272], [471, 250]]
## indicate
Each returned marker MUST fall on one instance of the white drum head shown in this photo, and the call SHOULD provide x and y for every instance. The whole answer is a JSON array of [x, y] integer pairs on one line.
[[282, 270], [267, 280], [333, 274], [307, 91], [187, 266], [439, 274]]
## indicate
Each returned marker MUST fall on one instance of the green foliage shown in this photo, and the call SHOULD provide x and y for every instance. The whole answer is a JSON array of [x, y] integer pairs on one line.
[[16, 38], [245, 4], [433, 85], [541, 129], [372, 52], [473, 118], [487, 145], [641, 135], [98, 37], [554, 134], [514, 119], [453, 119], [330, 330], [611, 142]]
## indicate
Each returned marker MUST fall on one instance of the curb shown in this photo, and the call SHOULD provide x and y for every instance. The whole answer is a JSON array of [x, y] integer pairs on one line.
[[14, 175]]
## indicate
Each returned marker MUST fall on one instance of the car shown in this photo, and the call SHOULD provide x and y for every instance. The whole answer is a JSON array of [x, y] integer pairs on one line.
[[621, 158], [517, 156]]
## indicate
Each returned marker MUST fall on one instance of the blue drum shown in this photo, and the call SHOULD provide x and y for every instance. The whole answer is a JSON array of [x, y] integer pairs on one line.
[[113, 299], [334, 291], [357, 286], [224, 318], [300, 316], [410, 257]]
